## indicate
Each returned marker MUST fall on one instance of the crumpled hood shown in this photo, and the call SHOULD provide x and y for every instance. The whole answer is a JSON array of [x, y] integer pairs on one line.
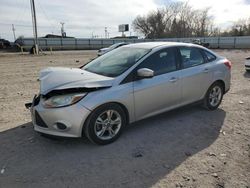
[[56, 78]]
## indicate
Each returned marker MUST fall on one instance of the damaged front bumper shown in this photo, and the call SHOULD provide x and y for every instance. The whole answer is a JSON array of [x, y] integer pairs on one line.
[[34, 102], [64, 121]]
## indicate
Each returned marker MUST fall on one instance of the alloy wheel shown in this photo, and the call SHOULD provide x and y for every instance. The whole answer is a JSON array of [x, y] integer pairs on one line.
[[107, 124], [215, 96]]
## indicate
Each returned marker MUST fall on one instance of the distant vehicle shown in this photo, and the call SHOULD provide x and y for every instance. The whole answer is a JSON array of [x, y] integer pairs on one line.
[[128, 84], [199, 42], [4, 44], [56, 36], [114, 46], [247, 64]]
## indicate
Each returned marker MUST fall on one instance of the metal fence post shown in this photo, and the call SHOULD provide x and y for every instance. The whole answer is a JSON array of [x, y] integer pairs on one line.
[[46, 43], [76, 44], [234, 42], [61, 44], [218, 42]]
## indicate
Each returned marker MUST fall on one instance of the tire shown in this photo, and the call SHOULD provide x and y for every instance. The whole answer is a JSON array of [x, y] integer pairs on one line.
[[216, 90], [105, 124]]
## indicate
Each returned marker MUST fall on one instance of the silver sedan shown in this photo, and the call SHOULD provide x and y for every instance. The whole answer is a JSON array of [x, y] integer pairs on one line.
[[125, 85]]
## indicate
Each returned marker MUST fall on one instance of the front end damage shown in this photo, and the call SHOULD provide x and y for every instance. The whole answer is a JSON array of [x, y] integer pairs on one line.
[[66, 121], [57, 109]]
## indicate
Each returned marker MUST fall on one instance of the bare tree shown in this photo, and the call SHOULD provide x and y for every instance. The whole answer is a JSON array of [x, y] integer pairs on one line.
[[239, 28], [152, 25], [140, 24], [177, 19]]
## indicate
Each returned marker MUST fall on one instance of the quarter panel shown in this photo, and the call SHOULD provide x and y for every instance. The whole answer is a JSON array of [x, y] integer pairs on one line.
[[221, 72]]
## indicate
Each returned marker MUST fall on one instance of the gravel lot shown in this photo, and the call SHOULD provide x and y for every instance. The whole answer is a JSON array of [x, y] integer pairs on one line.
[[187, 147]]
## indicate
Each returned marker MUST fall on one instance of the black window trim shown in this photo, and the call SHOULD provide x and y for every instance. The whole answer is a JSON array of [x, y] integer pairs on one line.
[[205, 56], [131, 77]]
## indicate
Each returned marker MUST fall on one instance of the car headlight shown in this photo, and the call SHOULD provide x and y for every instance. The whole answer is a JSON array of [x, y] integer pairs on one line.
[[63, 100]]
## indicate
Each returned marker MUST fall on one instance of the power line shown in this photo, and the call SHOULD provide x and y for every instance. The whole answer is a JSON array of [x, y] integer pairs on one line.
[[23, 9], [22, 25], [47, 17]]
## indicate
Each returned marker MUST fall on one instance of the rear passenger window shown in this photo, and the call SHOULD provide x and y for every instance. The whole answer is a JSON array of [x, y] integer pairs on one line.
[[191, 57], [161, 62], [210, 57]]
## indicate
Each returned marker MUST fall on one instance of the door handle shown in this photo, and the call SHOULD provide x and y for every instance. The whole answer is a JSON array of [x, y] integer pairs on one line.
[[173, 79], [206, 70]]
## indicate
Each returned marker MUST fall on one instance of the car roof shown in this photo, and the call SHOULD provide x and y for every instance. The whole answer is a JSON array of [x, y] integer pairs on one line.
[[151, 45]]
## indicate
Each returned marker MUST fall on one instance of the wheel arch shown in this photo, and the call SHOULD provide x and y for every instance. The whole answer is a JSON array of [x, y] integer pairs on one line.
[[220, 82], [124, 108]]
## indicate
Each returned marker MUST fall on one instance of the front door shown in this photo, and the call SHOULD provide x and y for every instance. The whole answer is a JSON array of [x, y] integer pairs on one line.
[[163, 91]]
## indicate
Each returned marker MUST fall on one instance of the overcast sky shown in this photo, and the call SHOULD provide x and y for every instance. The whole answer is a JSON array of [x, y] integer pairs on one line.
[[84, 18]]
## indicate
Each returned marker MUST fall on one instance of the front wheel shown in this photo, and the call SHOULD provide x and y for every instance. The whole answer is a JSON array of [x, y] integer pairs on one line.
[[105, 124], [214, 96]]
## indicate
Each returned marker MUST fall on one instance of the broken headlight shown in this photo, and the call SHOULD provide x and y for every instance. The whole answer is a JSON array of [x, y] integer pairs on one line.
[[63, 100]]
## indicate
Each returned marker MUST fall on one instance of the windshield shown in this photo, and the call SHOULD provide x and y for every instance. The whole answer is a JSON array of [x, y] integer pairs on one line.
[[116, 62]]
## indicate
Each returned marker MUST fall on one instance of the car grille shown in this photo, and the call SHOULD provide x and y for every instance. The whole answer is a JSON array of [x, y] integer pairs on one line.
[[248, 66], [39, 120]]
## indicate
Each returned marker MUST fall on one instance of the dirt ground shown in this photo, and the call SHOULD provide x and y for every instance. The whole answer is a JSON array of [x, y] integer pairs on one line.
[[187, 147]]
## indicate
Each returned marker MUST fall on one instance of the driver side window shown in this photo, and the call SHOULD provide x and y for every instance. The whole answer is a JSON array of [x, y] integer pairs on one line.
[[161, 62]]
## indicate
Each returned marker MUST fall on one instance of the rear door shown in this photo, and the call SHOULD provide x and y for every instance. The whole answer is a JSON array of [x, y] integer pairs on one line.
[[163, 91], [196, 74]]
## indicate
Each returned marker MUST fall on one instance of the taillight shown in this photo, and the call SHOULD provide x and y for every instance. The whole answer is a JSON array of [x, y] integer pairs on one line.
[[228, 64]]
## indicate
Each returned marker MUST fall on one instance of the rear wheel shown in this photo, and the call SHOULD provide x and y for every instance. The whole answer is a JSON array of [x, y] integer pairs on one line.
[[214, 96], [105, 124]]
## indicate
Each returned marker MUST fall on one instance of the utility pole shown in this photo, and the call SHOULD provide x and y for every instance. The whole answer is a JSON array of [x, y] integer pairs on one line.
[[14, 34], [33, 13], [62, 30], [106, 32]]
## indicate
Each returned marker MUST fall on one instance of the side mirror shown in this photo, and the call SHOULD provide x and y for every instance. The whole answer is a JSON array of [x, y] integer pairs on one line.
[[145, 73]]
